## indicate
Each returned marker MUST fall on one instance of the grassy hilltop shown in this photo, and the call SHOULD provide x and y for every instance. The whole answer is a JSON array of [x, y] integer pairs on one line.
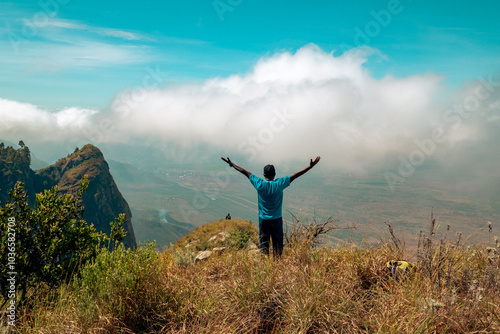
[[346, 289]]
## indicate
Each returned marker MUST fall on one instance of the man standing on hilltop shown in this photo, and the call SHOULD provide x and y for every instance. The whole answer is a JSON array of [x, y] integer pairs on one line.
[[270, 195]]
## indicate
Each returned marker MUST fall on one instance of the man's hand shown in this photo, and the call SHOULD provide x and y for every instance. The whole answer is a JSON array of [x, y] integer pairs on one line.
[[313, 163], [229, 161], [238, 168], [303, 171]]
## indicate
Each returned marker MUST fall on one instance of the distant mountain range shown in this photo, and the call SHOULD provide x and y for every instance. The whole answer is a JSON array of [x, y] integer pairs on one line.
[[102, 199]]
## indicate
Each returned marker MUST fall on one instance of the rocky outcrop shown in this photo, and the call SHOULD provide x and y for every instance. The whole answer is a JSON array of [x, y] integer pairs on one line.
[[250, 246], [208, 253], [221, 236], [102, 199], [203, 255], [14, 167]]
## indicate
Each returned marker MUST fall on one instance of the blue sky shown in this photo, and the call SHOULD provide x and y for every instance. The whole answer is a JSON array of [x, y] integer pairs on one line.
[[73, 53]]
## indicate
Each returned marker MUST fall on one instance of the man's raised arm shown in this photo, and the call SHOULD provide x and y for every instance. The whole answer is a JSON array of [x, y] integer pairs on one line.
[[305, 170], [238, 168]]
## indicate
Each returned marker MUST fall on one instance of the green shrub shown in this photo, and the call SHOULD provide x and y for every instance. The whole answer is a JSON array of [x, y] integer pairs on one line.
[[183, 257], [117, 284], [49, 241], [238, 239]]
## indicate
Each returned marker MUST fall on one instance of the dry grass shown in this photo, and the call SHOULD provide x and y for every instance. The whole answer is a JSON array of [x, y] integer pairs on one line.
[[198, 239], [348, 289]]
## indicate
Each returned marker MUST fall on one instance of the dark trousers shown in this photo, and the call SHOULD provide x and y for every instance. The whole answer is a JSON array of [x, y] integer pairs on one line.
[[271, 229]]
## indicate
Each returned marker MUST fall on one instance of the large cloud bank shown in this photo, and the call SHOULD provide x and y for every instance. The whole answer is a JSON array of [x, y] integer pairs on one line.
[[288, 107]]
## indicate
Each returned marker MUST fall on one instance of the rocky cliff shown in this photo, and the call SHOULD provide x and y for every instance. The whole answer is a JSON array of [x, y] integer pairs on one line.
[[14, 167], [102, 199]]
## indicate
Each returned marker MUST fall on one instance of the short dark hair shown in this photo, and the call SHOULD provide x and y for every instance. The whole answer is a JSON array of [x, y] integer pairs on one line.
[[269, 171]]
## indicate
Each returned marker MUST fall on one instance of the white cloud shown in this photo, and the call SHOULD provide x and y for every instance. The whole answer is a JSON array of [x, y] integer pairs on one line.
[[61, 23], [69, 44], [73, 118], [288, 107], [76, 25], [27, 121]]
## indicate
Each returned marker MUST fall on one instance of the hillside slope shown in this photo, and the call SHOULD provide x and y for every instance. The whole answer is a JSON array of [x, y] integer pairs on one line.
[[103, 201], [347, 289], [221, 233]]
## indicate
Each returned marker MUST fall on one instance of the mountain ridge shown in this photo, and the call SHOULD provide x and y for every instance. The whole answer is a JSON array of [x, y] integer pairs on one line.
[[103, 201]]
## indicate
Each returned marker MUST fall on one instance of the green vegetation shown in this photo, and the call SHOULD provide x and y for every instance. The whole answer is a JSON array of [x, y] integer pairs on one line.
[[45, 245], [122, 283], [19, 159], [347, 289]]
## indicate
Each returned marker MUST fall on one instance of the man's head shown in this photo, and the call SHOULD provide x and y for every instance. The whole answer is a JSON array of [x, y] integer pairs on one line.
[[269, 172]]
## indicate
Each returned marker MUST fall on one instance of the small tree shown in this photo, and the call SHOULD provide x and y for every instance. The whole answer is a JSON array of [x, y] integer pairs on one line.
[[21, 144], [117, 231], [48, 242]]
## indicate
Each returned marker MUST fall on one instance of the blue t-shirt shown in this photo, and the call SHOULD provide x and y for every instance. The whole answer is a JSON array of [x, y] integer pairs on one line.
[[270, 195]]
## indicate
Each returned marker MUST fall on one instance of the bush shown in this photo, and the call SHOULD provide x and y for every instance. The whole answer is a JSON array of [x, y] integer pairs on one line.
[[238, 239], [49, 241], [116, 285], [183, 257]]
